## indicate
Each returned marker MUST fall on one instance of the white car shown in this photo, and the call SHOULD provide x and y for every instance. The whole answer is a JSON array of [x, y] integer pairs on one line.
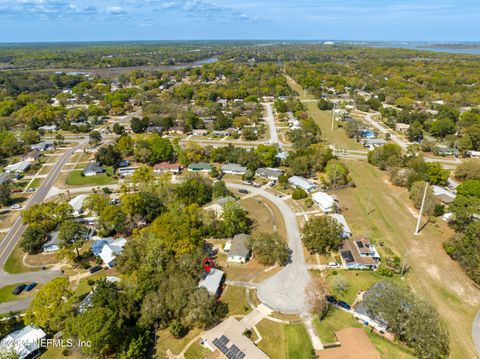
[[333, 265], [16, 206]]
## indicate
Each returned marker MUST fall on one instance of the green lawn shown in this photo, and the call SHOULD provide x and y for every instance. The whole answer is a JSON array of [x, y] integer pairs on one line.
[[57, 353], [196, 351], [14, 263], [236, 299], [7, 296], [75, 178], [35, 183], [166, 341], [282, 341]]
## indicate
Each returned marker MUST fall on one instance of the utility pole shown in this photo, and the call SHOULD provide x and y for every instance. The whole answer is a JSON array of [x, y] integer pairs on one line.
[[417, 230], [333, 115]]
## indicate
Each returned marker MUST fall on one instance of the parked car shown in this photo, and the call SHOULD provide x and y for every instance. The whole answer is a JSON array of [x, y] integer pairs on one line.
[[244, 191], [220, 176], [31, 189], [95, 269], [331, 299], [344, 305], [16, 206], [18, 289], [29, 287], [333, 265]]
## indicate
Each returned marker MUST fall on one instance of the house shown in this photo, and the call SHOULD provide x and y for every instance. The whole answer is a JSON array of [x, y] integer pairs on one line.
[[354, 344], [154, 129], [53, 244], [371, 143], [326, 202], [126, 171], [444, 151], [32, 156], [359, 254], [227, 340], [42, 146], [167, 167], [303, 183], [219, 133], [199, 132], [199, 167], [473, 154], [123, 164], [443, 194], [18, 167], [178, 130], [366, 133], [361, 313], [239, 251], [282, 156], [77, 204], [212, 281], [217, 206], [110, 250], [93, 169], [269, 173], [402, 127], [24, 343], [233, 168], [47, 128], [343, 222]]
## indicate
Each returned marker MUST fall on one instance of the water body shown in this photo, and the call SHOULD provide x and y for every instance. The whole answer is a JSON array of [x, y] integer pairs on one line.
[[453, 48]]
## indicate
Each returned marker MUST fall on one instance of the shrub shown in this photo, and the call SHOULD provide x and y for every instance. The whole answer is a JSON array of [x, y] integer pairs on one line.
[[385, 272], [177, 329], [299, 194]]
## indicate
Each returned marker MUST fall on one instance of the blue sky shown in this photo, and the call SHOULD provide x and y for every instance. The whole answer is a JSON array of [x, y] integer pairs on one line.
[[89, 20]]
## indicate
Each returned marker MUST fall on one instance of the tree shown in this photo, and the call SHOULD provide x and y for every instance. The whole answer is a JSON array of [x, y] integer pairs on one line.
[[322, 235], [220, 190], [325, 105], [143, 176], [442, 127], [109, 156], [268, 154], [469, 188], [416, 195], [95, 138], [72, 234], [112, 220], [410, 319], [234, 219], [249, 134], [33, 239], [299, 193], [385, 156], [436, 174], [337, 173], [49, 308], [125, 145], [468, 170], [139, 125], [269, 249], [118, 129], [161, 150], [5, 197], [315, 295], [194, 189]]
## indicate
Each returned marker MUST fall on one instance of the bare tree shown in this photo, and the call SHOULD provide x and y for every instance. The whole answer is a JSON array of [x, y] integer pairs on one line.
[[315, 294]]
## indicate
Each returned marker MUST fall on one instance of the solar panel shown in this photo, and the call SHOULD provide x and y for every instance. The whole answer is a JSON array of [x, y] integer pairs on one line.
[[359, 244], [347, 255], [241, 355]]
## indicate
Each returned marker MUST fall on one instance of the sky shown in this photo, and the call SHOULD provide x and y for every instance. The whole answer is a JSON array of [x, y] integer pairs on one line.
[[104, 20]]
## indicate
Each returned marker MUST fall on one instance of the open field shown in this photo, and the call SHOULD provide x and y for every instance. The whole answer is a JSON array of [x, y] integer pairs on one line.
[[75, 178], [260, 210], [337, 319], [433, 275], [236, 298], [282, 341], [14, 263]]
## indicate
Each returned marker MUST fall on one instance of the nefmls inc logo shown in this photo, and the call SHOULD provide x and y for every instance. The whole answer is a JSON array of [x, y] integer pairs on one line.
[[61, 343]]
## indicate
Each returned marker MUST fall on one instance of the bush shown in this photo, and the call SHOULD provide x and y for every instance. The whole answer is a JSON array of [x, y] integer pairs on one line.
[[90, 282], [385, 272], [177, 329], [439, 210], [299, 194]]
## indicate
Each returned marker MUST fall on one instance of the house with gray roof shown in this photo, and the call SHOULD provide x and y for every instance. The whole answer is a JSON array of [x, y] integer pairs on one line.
[[18, 167], [93, 169], [239, 251], [212, 281], [233, 168], [343, 222], [303, 183], [5, 177], [53, 244], [269, 173]]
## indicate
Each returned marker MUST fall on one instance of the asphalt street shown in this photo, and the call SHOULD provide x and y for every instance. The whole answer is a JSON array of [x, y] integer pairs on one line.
[[284, 291]]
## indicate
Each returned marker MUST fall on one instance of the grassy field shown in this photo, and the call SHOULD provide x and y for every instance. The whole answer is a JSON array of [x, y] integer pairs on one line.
[[166, 341], [57, 353], [236, 298], [7, 296], [196, 351], [282, 341], [75, 178], [433, 275], [260, 211], [337, 319], [324, 120], [14, 263], [36, 183]]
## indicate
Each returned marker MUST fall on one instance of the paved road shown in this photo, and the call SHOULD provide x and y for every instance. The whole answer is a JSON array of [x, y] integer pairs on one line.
[[284, 291], [13, 236], [270, 119], [476, 332], [15, 306]]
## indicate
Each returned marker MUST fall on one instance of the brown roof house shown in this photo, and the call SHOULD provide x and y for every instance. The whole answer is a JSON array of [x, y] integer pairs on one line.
[[359, 254], [167, 167]]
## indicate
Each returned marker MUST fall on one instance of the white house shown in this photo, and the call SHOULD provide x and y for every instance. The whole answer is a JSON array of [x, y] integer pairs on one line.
[[127, 171], [303, 183], [93, 169], [53, 244], [343, 222], [77, 204], [239, 251], [18, 167], [110, 251], [212, 281], [326, 202], [199, 132], [218, 205], [233, 168], [23, 343], [269, 173]]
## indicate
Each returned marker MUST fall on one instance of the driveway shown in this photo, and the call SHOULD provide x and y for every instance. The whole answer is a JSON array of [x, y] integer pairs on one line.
[[270, 119], [284, 291], [476, 332]]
